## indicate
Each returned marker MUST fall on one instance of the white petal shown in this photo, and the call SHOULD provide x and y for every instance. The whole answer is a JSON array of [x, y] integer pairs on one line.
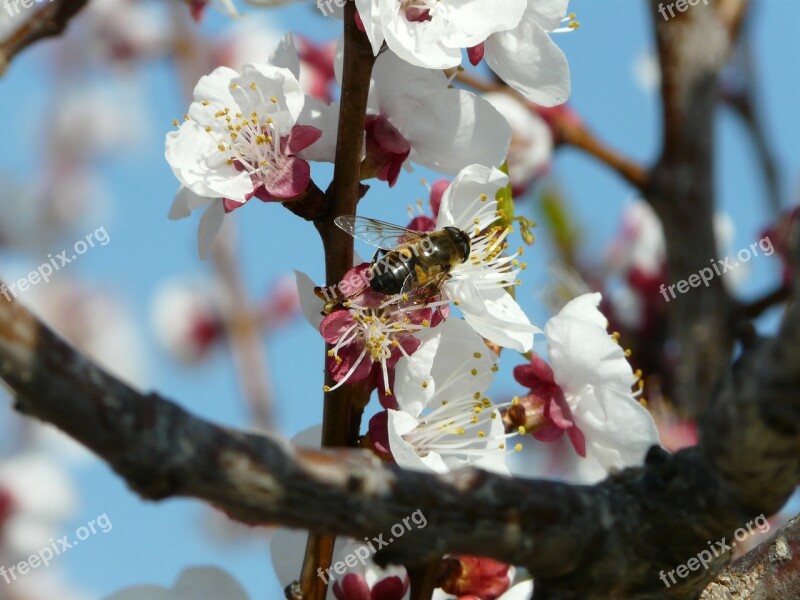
[[419, 43], [530, 62], [210, 224], [285, 55], [458, 200], [399, 86], [185, 202], [208, 582], [521, 591], [494, 314], [369, 12], [270, 83], [400, 423], [548, 13], [451, 129], [472, 22], [310, 303], [325, 118], [618, 430], [198, 164], [581, 351], [445, 361]]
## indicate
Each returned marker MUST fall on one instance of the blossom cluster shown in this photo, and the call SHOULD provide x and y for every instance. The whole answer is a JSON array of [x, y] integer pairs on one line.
[[430, 351]]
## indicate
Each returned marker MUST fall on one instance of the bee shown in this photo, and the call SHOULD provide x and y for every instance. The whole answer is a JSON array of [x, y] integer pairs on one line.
[[407, 262]]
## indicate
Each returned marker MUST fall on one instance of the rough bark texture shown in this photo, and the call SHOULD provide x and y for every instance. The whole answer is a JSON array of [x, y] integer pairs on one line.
[[769, 572]]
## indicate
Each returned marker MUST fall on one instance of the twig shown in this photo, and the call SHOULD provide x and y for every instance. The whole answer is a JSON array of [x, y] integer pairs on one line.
[[580, 542], [342, 408], [51, 20], [243, 327], [567, 131], [757, 307]]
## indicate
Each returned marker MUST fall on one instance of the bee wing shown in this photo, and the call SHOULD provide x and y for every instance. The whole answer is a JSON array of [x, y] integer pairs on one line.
[[376, 233], [422, 295]]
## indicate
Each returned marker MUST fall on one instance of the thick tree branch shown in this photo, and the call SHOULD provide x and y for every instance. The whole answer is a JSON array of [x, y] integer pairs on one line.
[[768, 572], [581, 542], [51, 20], [693, 48]]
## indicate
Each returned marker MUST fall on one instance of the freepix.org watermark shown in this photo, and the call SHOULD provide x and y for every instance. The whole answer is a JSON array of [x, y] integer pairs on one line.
[[364, 551], [681, 5], [43, 272], [717, 549], [43, 557], [326, 6], [360, 280], [706, 274], [13, 6]]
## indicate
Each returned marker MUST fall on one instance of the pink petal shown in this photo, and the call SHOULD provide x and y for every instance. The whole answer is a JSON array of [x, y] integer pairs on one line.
[[437, 190], [534, 374], [335, 324], [379, 431], [578, 441], [391, 588], [301, 137], [422, 223], [558, 411], [475, 54], [290, 180], [548, 433], [353, 587], [349, 355]]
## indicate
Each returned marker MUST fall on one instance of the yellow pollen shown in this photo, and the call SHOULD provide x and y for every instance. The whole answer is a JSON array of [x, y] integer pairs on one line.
[[424, 385], [252, 85], [477, 395], [521, 430], [331, 352], [387, 393], [175, 122], [261, 139], [495, 368], [518, 448], [483, 197], [481, 434], [326, 388], [221, 147], [274, 100], [574, 25], [474, 372], [627, 353], [426, 323], [234, 86], [204, 102], [515, 401], [502, 446]]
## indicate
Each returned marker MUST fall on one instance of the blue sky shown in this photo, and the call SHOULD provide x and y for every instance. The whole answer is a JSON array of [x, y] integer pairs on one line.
[[154, 542]]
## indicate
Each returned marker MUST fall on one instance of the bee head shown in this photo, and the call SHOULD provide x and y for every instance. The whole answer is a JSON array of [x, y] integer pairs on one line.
[[461, 240]]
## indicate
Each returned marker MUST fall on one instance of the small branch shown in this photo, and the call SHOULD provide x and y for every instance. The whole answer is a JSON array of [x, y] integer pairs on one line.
[[51, 20], [567, 130], [757, 307], [243, 327], [342, 408]]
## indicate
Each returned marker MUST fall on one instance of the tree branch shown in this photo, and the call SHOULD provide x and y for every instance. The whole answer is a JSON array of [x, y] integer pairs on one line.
[[693, 48], [343, 407], [567, 131], [49, 21], [580, 542]]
